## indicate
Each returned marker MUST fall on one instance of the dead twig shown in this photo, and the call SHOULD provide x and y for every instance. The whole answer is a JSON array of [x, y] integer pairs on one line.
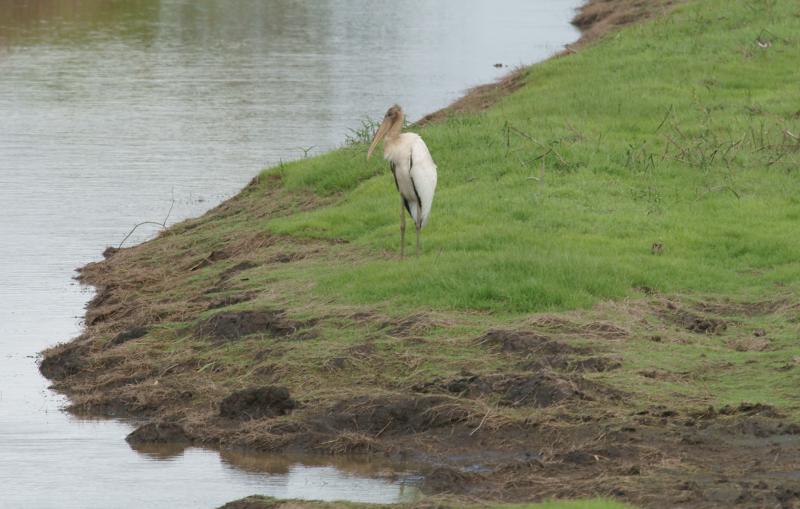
[[162, 224]]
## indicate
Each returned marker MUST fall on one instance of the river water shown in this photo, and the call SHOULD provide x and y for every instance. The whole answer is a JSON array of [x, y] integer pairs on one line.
[[110, 110]]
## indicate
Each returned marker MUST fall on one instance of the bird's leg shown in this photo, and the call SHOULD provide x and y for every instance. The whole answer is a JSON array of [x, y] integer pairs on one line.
[[402, 227], [418, 229]]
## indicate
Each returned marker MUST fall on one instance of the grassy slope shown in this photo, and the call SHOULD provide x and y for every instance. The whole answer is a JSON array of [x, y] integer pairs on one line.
[[713, 183]]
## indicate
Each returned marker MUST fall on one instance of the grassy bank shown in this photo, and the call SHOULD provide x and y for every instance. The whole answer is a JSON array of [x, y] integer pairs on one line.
[[271, 503], [673, 132], [605, 305]]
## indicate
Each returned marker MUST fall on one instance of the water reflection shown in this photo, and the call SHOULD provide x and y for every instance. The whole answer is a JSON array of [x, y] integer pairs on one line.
[[70, 21], [110, 110], [160, 451]]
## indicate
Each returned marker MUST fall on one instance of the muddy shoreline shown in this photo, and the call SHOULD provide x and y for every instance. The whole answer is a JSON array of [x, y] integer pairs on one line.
[[544, 422]]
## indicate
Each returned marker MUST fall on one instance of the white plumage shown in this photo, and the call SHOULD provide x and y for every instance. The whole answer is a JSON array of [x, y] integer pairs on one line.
[[414, 173], [413, 169]]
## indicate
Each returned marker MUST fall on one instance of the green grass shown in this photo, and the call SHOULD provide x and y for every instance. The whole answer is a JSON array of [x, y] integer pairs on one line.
[[671, 131]]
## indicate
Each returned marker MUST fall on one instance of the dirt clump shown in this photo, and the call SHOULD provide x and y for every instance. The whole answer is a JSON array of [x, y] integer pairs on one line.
[[65, 360], [526, 342], [158, 433], [444, 479], [605, 330], [466, 386], [757, 344], [757, 308], [569, 363], [213, 257], [661, 374], [129, 335], [234, 325], [539, 390], [239, 267], [600, 454], [257, 403], [747, 408], [692, 321], [287, 257], [418, 323], [229, 300], [596, 364], [391, 414], [756, 426]]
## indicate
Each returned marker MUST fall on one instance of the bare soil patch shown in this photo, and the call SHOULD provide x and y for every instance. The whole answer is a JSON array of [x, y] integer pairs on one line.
[[234, 325], [527, 343], [692, 321], [129, 335], [65, 360], [257, 403]]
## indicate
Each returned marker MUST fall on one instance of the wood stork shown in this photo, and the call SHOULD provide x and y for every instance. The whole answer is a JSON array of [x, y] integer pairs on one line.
[[413, 169]]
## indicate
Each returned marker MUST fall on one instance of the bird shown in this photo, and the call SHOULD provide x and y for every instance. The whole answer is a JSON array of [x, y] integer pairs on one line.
[[413, 169]]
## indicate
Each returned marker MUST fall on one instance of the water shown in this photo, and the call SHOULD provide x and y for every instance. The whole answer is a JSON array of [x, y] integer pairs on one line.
[[110, 110]]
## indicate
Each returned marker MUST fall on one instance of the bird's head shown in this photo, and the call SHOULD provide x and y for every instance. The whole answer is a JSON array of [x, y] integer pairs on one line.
[[394, 117]]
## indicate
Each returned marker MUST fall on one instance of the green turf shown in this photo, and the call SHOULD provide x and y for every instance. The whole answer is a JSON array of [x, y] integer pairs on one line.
[[677, 131]]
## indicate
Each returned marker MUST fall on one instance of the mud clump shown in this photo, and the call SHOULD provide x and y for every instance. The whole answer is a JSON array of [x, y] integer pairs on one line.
[[596, 364], [539, 390], [213, 257], [761, 427], [468, 386], [129, 335], [756, 344], [445, 479], [414, 324], [571, 364], [661, 374], [158, 433], [239, 267], [229, 300], [234, 325], [257, 403], [392, 415], [730, 308], [286, 258], [527, 342], [746, 408], [68, 361], [609, 453], [703, 325], [693, 322]]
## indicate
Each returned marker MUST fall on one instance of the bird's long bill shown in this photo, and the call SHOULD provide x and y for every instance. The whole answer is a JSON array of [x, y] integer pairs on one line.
[[382, 130]]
